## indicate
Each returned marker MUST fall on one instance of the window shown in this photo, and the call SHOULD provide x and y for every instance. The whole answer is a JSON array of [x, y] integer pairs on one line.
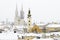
[[29, 21], [29, 24]]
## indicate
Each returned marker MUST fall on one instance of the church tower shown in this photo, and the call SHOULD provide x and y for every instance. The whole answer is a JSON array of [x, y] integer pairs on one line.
[[17, 19], [29, 19], [22, 13], [22, 22]]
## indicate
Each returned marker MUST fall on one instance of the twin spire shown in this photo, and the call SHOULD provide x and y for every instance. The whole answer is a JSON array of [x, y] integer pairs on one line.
[[21, 12]]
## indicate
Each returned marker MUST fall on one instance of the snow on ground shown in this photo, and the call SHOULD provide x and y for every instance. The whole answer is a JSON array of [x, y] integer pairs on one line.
[[13, 36], [8, 36], [43, 39]]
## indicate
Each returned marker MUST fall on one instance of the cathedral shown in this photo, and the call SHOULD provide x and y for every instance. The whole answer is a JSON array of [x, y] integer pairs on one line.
[[19, 22]]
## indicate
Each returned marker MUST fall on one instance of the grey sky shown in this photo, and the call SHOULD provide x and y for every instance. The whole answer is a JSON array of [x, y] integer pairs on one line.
[[41, 10]]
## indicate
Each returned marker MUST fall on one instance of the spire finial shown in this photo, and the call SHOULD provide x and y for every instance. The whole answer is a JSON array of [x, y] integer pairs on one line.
[[16, 6], [16, 10]]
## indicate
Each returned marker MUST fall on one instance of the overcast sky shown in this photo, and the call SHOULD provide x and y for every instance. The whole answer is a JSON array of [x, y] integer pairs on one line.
[[41, 10]]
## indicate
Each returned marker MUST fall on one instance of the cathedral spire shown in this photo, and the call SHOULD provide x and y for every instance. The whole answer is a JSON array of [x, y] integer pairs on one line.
[[22, 13], [22, 7], [16, 11], [16, 15]]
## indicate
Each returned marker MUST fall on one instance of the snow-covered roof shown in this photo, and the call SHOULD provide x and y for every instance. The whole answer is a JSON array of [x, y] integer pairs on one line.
[[53, 25], [3, 26], [43, 39], [0, 23], [20, 26], [10, 36]]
